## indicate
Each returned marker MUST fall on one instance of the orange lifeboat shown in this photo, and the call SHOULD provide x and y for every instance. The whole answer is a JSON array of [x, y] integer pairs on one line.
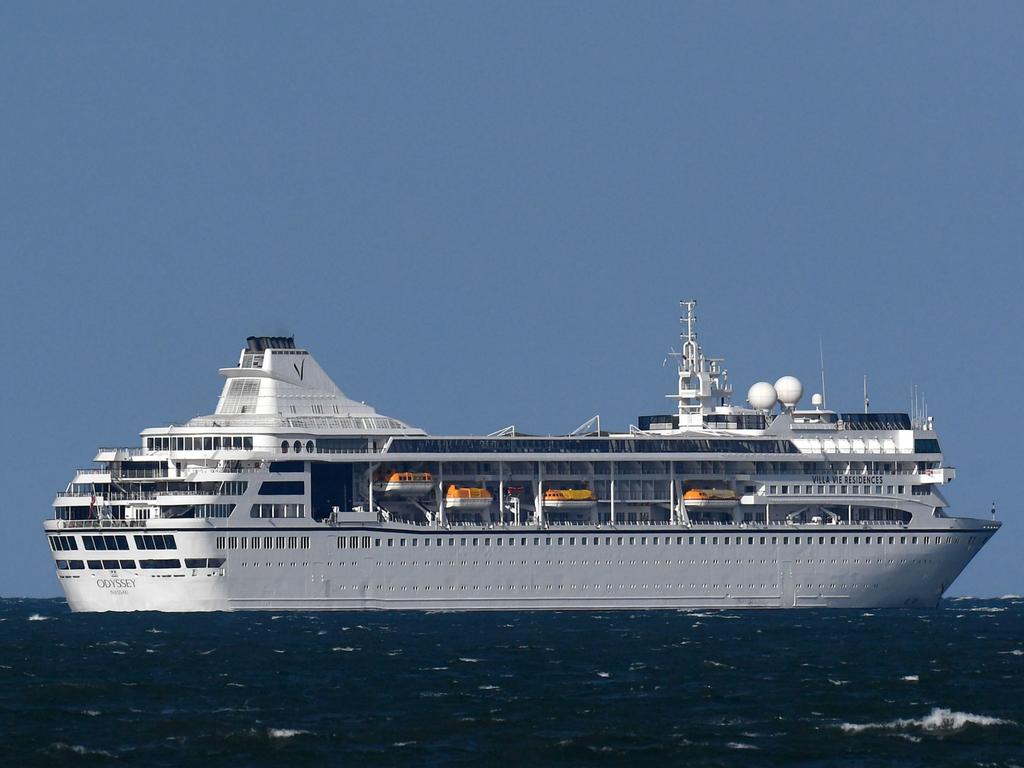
[[405, 484], [710, 498], [569, 498], [467, 498]]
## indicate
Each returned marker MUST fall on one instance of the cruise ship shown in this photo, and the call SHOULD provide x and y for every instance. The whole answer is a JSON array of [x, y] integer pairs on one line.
[[292, 496]]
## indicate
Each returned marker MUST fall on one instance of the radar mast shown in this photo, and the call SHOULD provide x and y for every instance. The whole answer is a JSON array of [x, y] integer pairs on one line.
[[703, 382]]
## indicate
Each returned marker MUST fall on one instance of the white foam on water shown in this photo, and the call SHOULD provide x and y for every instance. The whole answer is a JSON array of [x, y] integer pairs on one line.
[[1011, 597], [488, 687], [78, 749], [345, 648], [604, 674], [468, 659], [91, 712], [37, 617], [284, 733], [910, 678], [938, 720], [740, 745], [838, 682], [1014, 652], [402, 743]]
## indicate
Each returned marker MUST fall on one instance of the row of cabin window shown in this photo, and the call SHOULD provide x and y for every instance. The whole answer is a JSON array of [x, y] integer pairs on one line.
[[212, 510], [263, 542], [355, 542], [200, 443], [296, 447], [113, 565], [277, 510], [855, 490], [112, 542], [158, 541], [102, 543]]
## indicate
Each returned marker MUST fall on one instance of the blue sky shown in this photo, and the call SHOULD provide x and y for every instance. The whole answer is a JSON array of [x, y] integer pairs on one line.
[[478, 214]]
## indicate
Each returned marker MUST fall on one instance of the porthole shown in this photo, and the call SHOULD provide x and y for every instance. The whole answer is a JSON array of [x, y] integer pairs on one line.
[[309, 446], [284, 446], [297, 446]]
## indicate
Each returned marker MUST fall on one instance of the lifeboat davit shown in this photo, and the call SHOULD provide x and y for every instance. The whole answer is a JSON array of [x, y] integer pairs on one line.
[[569, 498], [467, 498], [710, 498], [405, 484]]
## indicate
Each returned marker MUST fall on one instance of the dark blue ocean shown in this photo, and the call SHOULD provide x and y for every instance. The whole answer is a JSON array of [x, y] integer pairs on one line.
[[810, 688]]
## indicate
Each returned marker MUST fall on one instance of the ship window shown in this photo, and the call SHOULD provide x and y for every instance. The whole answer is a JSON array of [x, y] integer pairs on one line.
[[158, 564], [111, 565], [821, 489], [97, 564], [309, 446], [247, 443], [284, 446], [297, 446], [62, 565], [282, 488]]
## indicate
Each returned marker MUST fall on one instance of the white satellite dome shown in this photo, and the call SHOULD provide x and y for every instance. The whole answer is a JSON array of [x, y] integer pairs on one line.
[[789, 390], [817, 400], [762, 396]]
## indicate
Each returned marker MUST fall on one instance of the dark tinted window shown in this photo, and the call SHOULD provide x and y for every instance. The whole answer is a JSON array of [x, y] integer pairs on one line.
[[282, 488], [157, 564], [287, 466], [875, 420]]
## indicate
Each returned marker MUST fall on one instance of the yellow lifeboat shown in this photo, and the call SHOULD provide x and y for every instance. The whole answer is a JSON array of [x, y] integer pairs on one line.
[[562, 498], [467, 498], [405, 483], [710, 498]]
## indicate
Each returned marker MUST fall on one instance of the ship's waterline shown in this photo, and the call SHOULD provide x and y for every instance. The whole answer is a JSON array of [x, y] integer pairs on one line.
[[292, 496]]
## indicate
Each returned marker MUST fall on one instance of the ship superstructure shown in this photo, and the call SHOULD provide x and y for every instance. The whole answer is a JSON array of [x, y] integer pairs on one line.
[[293, 496]]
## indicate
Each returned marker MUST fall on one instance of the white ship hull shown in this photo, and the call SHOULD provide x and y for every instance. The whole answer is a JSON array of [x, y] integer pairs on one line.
[[662, 575]]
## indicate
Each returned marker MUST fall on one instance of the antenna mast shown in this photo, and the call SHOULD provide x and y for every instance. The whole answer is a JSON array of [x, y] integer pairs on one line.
[[821, 356], [703, 383]]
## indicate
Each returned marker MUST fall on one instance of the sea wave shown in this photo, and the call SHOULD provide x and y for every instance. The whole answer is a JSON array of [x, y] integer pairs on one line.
[[284, 733], [939, 719]]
